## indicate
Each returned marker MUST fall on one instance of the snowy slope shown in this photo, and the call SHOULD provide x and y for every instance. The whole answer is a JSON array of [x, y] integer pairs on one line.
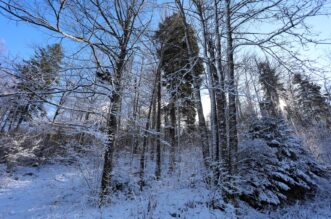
[[70, 191]]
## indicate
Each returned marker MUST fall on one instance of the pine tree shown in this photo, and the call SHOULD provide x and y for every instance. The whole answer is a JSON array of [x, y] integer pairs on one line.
[[272, 88], [275, 167], [178, 77], [310, 104], [36, 76]]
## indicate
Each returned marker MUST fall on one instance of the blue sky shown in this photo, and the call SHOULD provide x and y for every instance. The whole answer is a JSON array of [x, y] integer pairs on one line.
[[20, 39]]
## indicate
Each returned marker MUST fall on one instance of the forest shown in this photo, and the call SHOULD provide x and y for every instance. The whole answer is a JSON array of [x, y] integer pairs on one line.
[[166, 109]]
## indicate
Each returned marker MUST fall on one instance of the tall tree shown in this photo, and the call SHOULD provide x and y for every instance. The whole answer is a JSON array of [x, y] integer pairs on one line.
[[35, 79], [158, 125], [233, 135], [310, 104], [272, 87], [220, 92], [178, 75], [211, 75], [193, 61], [109, 28]]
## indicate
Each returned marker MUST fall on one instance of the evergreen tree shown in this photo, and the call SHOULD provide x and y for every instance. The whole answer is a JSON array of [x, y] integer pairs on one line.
[[178, 77], [275, 167], [36, 76], [311, 106], [272, 87]]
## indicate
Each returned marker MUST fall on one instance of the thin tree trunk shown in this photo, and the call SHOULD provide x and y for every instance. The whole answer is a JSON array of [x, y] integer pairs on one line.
[[57, 112], [3, 117], [166, 121], [215, 96], [20, 120], [221, 99], [21, 117], [177, 131], [238, 103], [172, 134], [142, 156], [249, 98], [158, 127], [119, 114], [233, 138], [202, 123], [153, 125], [5, 121], [202, 128], [136, 116]]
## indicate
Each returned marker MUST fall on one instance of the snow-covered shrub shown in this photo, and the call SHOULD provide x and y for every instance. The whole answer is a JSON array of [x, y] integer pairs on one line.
[[317, 140], [42, 144], [20, 149], [273, 166]]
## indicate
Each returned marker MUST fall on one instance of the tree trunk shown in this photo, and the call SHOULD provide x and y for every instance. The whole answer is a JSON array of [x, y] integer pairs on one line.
[[136, 115], [57, 112], [215, 95], [158, 127], [153, 125], [112, 127], [142, 156], [202, 123], [172, 134], [20, 120], [108, 157], [233, 138], [21, 116], [202, 128], [221, 99]]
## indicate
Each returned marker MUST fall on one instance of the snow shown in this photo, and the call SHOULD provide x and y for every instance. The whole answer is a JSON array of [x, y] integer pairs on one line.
[[52, 191], [71, 191], [68, 191]]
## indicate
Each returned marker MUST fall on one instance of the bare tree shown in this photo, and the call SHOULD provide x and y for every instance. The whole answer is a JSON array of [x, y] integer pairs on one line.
[[109, 28]]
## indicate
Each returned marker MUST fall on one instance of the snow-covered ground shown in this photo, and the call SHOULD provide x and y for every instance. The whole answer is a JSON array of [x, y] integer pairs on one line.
[[71, 191]]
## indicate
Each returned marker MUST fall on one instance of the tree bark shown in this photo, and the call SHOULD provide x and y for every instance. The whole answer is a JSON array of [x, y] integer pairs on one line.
[[153, 121], [221, 98], [233, 138], [112, 127], [57, 112], [142, 156], [158, 127], [172, 134], [202, 123], [215, 95], [136, 114]]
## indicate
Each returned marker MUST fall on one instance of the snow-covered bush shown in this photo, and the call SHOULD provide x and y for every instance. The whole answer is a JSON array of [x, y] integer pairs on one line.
[[273, 166], [43, 144], [317, 140]]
